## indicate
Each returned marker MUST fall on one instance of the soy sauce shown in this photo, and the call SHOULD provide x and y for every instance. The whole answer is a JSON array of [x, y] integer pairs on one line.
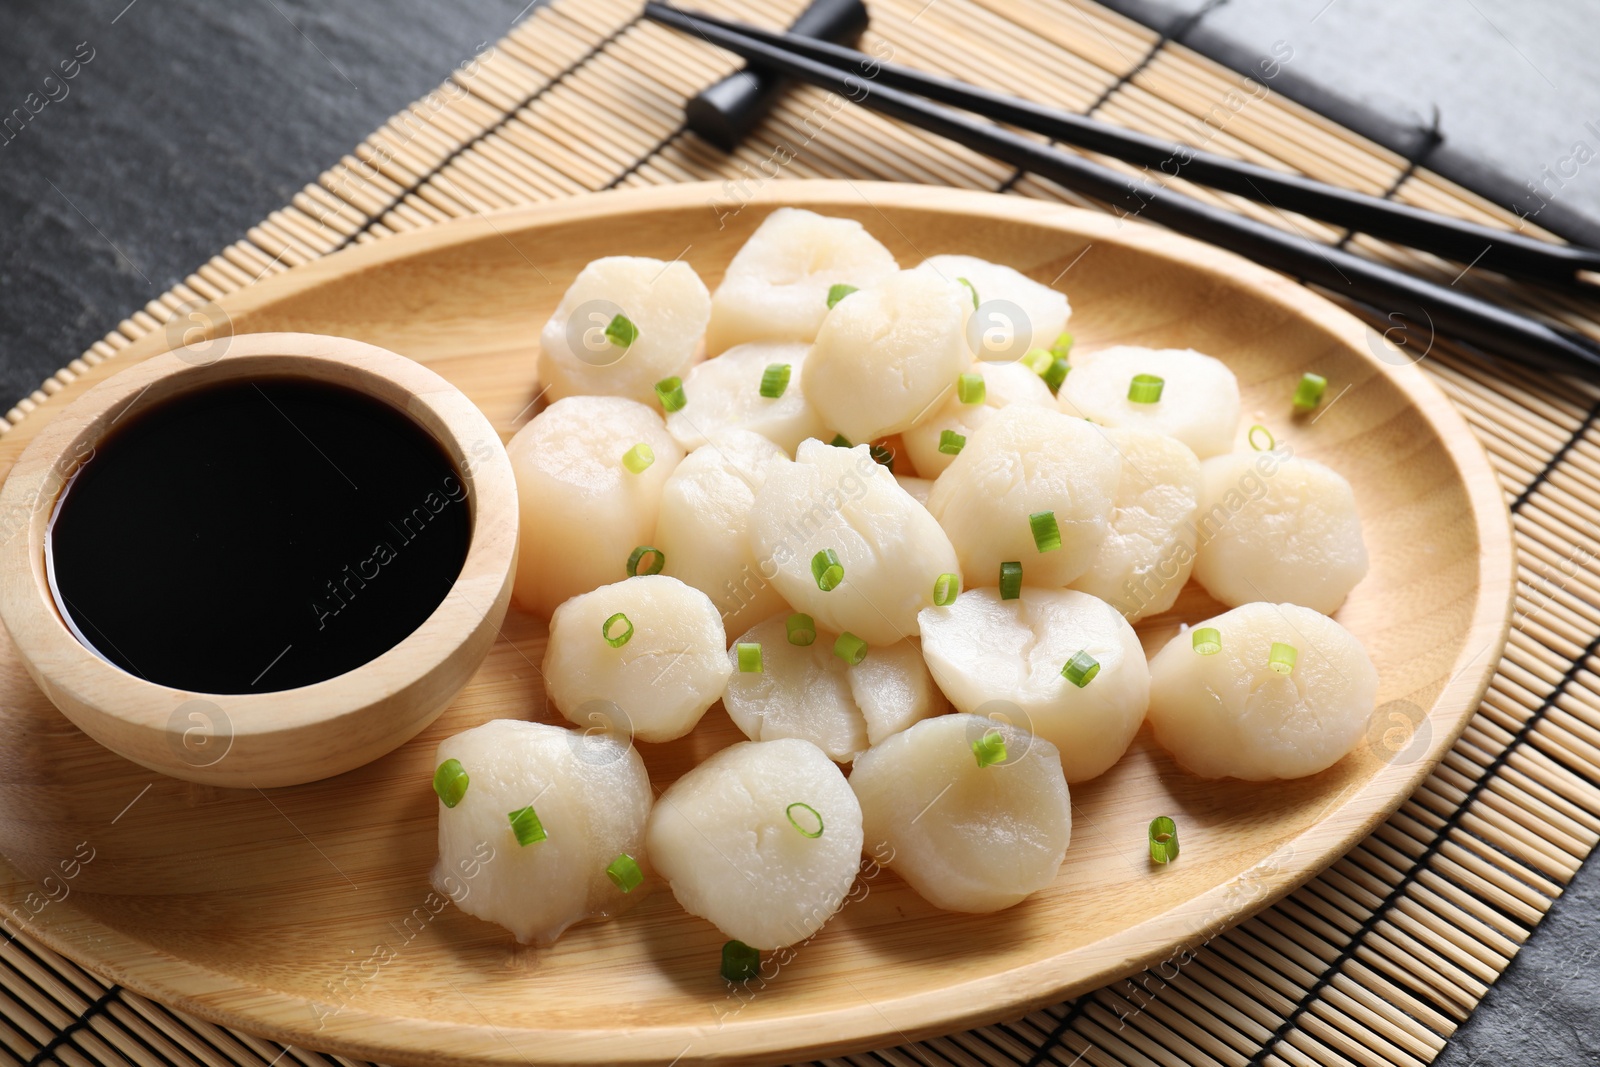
[[257, 536]]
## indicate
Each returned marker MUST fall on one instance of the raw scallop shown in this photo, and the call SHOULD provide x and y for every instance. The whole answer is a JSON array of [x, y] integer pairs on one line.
[[735, 839], [590, 794], [1230, 714]]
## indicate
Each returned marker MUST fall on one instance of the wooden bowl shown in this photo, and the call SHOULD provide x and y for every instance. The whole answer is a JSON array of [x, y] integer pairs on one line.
[[307, 914], [293, 735]]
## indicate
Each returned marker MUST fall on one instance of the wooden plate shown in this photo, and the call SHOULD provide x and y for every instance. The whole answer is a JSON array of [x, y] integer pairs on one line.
[[305, 913]]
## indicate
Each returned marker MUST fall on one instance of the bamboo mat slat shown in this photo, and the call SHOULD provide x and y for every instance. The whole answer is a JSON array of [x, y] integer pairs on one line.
[[1375, 962]]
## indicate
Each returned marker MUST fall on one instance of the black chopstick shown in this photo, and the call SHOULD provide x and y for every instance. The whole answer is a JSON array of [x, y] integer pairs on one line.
[[1465, 242], [1391, 292]]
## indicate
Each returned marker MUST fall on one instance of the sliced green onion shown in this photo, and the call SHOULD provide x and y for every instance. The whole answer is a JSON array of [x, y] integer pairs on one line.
[[1308, 394], [1207, 641], [1062, 345], [1038, 360], [971, 389], [1264, 435], [670, 392], [946, 588], [1282, 657], [1056, 373], [815, 814], [827, 570], [838, 292], [883, 455], [1046, 534], [1010, 581], [749, 657], [1145, 388], [1081, 668], [526, 825], [802, 629], [990, 749], [774, 380], [638, 458], [971, 289], [621, 331], [450, 782], [840, 441], [740, 962], [624, 872], [610, 633], [658, 559], [1163, 840], [850, 648], [951, 443]]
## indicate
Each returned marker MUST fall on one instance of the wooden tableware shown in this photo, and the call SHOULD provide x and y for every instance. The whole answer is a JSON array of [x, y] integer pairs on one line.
[[272, 738], [306, 913]]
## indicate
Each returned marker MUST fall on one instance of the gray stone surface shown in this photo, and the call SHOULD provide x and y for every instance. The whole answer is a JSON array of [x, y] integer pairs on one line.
[[1514, 82], [193, 120]]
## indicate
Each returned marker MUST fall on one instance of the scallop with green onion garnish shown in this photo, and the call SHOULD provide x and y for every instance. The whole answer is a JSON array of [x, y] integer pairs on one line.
[[704, 525], [588, 496], [848, 545], [1044, 310], [967, 407], [647, 651], [1032, 486], [776, 287], [1261, 692], [624, 323], [809, 691], [886, 355], [1149, 550], [1063, 661], [763, 839], [975, 813], [753, 387], [1178, 392], [547, 828], [1276, 527]]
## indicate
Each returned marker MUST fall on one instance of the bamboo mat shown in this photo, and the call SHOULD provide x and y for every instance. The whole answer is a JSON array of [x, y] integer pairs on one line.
[[1375, 962]]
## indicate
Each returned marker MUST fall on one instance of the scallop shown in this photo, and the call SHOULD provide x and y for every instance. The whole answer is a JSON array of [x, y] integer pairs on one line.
[[1277, 527], [887, 355], [726, 392], [807, 691], [1003, 384], [1231, 714], [1006, 659], [704, 525], [1149, 550], [1199, 402], [890, 550], [894, 689], [967, 837], [776, 287], [652, 672], [583, 512], [919, 488], [584, 350], [590, 799], [1022, 463], [1041, 312], [763, 839]]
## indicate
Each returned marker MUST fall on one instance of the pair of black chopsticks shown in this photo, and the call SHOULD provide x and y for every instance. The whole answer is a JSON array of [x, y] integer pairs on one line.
[[900, 92]]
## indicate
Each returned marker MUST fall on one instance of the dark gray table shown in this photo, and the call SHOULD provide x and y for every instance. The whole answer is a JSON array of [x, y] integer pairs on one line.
[[191, 121]]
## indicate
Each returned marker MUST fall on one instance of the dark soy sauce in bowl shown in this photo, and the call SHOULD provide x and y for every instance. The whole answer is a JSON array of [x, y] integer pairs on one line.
[[257, 536]]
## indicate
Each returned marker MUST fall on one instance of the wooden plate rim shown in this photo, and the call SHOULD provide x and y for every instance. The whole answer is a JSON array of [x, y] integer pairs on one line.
[[223, 999]]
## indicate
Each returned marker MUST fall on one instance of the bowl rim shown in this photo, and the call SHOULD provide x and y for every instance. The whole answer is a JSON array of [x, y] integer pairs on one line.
[[99, 690]]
